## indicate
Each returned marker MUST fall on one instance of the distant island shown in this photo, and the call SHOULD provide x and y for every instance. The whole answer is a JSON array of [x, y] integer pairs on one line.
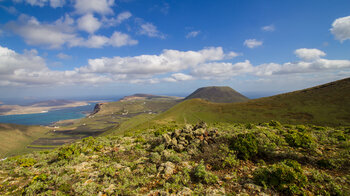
[[40, 107]]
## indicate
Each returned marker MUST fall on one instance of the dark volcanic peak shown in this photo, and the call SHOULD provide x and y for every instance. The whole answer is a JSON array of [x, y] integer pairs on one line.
[[218, 94]]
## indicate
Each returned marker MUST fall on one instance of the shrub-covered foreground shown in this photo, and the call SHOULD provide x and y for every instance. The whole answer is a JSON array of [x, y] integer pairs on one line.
[[222, 159]]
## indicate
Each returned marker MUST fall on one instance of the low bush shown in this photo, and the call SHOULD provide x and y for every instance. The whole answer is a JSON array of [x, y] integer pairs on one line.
[[203, 175], [286, 177], [26, 162], [246, 144], [299, 139]]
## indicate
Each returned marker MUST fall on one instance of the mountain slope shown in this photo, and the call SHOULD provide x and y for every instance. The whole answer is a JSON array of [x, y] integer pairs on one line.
[[14, 138], [218, 94], [327, 104]]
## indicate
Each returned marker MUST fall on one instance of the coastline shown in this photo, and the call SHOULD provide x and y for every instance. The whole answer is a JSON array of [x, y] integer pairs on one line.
[[17, 109]]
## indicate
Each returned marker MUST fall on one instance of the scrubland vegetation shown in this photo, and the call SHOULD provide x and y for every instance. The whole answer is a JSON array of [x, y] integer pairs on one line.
[[264, 158]]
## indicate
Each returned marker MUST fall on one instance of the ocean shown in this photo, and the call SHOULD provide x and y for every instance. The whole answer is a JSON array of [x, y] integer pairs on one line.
[[48, 117]]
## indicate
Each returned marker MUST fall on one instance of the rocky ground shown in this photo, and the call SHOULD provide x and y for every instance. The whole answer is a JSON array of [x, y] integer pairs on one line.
[[221, 159]]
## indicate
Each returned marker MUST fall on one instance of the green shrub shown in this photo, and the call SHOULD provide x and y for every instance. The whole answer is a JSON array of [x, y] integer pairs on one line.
[[299, 139], [230, 160], [204, 176], [274, 123], [338, 135], [159, 148], [328, 163], [155, 157], [174, 158], [26, 162], [286, 177], [108, 171], [245, 144]]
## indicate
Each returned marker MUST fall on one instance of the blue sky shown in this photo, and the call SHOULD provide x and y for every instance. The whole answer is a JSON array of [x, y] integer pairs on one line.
[[71, 48]]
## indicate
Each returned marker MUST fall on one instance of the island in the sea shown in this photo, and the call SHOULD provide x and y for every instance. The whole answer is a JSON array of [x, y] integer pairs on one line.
[[40, 107]]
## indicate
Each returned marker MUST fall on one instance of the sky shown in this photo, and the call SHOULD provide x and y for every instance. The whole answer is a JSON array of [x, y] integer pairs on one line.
[[76, 48]]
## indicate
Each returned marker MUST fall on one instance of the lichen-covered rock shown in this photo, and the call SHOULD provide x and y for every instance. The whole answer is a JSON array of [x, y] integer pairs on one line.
[[166, 169], [181, 139], [185, 192]]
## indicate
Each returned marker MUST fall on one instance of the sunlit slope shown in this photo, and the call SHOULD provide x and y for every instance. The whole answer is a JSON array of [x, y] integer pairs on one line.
[[15, 138], [327, 104], [218, 94]]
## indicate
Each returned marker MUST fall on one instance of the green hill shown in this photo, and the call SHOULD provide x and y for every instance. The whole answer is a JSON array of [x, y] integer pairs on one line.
[[15, 138], [327, 104], [218, 94]]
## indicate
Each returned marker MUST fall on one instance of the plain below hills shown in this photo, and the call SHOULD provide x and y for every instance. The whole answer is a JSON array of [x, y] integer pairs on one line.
[[327, 104]]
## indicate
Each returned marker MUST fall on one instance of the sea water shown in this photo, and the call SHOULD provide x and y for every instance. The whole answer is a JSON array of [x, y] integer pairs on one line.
[[48, 117]]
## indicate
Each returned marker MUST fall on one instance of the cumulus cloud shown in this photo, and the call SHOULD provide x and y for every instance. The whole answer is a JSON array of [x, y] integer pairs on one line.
[[309, 54], [176, 77], [192, 34], [341, 28], [119, 39], [30, 69], [36, 33], [57, 3], [11, 9], [63, 32], [269, 28], [89, 23], [123, 16], [222, 70], [103, 7], [252, 43], [167, 61], [113, 21], [311, 62], [63, 56], [150, 30], [42, 3]]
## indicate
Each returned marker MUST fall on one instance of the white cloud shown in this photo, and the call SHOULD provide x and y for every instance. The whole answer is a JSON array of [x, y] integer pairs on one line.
[[269, 28], [311, 62], [252, 43], [63, 56], [119, 39], [88, 23], [42, 3], [168, 61], [30, 69], [96, 41], [102, 7], [63, 32], [11, 9], [169, 66], [309, 54], [318, 65], [57, 3], [192, 34], [222, 70], [123, 16], [51, 35], [176, 77], [150, 30], [113, 21], [341, 28]]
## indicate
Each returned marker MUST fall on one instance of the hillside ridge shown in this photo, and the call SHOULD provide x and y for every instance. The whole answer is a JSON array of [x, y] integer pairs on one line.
[[218, 94], [326, 104]]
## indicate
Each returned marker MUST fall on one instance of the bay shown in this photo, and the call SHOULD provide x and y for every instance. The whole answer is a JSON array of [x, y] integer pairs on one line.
[[48, 117]]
